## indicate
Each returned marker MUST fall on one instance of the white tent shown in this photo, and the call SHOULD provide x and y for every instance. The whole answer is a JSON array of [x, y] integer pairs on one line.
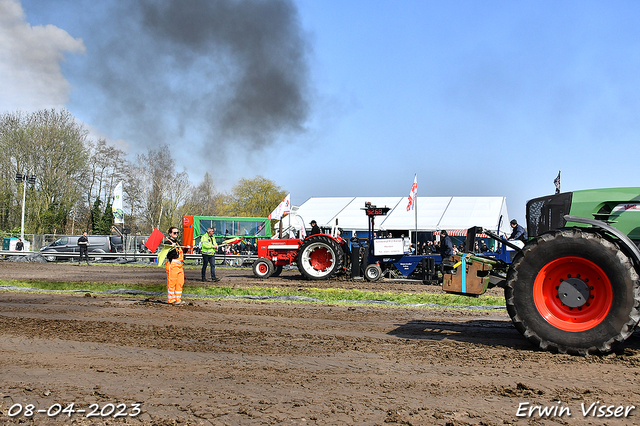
[[433, 213]]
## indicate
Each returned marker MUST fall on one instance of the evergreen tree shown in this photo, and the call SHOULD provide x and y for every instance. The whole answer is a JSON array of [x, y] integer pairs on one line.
[[107, 220], [96, 217]]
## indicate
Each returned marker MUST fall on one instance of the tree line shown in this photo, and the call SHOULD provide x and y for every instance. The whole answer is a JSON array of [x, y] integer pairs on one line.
[[76, 176]]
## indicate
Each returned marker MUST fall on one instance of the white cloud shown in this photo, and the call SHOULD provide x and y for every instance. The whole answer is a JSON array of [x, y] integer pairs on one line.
[[30, 61]]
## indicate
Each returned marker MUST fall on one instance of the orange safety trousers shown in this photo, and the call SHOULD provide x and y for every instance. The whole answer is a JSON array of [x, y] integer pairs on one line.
[[175, 279]]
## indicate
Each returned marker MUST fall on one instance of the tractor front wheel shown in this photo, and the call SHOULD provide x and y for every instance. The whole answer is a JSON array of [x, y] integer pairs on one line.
[[573, 291], [277, 270], [319, 258], [263, 268]]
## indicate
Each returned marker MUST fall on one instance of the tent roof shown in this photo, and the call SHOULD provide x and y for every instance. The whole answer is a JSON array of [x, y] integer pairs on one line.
[[433, 213]]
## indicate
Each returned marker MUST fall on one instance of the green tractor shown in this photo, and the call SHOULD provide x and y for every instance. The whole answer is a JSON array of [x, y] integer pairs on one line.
[[574, 286]]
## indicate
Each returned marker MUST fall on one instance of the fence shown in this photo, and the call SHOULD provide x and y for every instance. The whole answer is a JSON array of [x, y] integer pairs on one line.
[[132, 244], [129, 247]]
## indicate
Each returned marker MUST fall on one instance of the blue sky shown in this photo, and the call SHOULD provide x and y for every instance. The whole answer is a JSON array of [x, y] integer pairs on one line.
[[477, 97]]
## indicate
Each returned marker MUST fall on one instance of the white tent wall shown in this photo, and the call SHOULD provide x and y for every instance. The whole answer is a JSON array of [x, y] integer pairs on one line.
[[434, 213], [465, 212], [352, 217], [430, 211], [322, 209]]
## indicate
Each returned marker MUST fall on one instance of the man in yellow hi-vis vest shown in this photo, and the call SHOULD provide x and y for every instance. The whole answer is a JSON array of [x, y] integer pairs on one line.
[[209, 247]]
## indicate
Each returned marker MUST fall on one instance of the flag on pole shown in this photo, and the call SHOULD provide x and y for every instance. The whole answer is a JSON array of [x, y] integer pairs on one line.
[[556, 182], [162, 254], [413, 194], [116, 207], [231, 241], [154, 240], [283, 208]]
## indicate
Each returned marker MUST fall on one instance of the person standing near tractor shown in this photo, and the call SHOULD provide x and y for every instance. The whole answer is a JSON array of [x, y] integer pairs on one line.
[[175, 273], [209, 247], [83, 244]]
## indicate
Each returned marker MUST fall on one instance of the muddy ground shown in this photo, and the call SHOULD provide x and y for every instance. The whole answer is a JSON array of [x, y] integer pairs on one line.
[[238, 362]]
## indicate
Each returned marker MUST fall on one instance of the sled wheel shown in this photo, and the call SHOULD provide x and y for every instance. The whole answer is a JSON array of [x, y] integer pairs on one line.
[[263, 268], [319, 258], [373, 272], [573, 291], [277, 271]]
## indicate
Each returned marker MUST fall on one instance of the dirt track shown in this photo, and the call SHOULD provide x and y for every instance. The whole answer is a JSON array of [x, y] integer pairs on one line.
[[237, 362]]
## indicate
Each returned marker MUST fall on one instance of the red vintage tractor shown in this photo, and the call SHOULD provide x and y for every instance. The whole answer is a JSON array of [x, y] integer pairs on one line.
[[318, 257]]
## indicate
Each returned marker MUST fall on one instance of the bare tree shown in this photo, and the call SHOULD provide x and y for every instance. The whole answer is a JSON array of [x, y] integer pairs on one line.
[[50, 145], [106, 165], [204, 199], [161, 189]]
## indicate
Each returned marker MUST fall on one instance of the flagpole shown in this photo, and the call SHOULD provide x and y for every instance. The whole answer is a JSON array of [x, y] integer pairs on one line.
[[416, 215]]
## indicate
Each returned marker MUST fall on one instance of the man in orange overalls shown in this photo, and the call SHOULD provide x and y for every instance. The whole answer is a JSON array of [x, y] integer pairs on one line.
[[175, 273]]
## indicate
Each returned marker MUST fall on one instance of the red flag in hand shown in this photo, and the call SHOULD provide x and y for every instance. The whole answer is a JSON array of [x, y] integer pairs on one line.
[[154, 240]]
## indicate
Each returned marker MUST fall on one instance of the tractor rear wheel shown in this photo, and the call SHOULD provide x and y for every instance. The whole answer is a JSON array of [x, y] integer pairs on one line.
[[573, 291], [319, 258], [263, 268]]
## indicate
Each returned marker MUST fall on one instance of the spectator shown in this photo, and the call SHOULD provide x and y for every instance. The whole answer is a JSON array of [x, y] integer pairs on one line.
[[19, 245], [83, 244], [446, 246]]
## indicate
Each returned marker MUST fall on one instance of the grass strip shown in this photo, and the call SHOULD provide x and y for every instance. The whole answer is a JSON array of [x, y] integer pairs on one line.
[[326, 294]]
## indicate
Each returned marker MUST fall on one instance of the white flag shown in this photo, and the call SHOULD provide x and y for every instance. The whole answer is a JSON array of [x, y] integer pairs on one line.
[[116, 207], [413, 194], [283, 208]]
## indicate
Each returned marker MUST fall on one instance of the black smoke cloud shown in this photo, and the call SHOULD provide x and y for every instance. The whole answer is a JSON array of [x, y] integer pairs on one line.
[[210, 73]]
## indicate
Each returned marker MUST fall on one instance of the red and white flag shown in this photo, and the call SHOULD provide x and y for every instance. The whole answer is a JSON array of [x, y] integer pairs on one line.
[[413, 194], [283, 208]]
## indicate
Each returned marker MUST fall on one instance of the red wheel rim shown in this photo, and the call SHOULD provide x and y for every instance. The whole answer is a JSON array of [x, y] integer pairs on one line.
[[545, 294], [321, 259], [263, 268]]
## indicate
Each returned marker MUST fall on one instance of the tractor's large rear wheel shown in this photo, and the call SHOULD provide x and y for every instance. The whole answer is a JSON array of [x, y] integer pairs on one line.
[[573, 291], [319, 258]]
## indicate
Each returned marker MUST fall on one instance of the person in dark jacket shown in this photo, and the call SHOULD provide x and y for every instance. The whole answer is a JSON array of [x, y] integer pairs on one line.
[[19, 245], [446, 246], [314, 228], [83, 244], [519, 233]]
